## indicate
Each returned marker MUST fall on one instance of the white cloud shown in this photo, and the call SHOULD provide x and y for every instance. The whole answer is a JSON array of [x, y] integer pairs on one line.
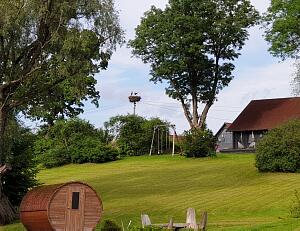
[[261, 5], [271, 81], [131, 12]]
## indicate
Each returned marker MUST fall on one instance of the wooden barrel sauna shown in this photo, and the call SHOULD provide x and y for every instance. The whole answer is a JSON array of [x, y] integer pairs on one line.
[[72, 206]]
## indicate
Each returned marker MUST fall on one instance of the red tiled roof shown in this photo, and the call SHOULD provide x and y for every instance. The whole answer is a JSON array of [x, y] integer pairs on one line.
[[266, 114]]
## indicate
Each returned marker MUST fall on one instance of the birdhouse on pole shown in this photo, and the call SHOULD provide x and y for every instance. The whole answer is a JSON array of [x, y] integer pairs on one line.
[[134, 98]]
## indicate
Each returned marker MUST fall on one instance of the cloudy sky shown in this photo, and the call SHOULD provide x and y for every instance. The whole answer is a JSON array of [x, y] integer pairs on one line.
[[257, 76]]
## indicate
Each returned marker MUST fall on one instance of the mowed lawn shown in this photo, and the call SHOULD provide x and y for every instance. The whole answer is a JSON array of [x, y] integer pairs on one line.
[[235, 194]]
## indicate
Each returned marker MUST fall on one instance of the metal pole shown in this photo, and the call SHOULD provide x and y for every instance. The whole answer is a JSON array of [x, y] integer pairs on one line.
[[161, 140], [169, 145], [158, 141], [166, 140], [134, 105], [173, 148], [152, 141]]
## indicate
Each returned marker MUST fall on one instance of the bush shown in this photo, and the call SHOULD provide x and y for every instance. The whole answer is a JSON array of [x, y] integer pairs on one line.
[[72, 141], [279, 149], [198, 143], [110, 226], [133, 134], [17, 182]]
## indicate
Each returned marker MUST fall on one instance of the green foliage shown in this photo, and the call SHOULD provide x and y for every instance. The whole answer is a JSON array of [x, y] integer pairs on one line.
[[191, 46], [295, 207], [72, 141], [110, 225], [198, 143], [22, 177], [133, 134], [279, 149], [50, 52], [283, 28]]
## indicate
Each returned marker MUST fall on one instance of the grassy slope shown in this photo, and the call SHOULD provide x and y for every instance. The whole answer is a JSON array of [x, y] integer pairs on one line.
[[235, 195]]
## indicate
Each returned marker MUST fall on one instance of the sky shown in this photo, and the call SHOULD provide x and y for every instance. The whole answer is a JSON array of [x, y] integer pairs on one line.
[[258, 75]]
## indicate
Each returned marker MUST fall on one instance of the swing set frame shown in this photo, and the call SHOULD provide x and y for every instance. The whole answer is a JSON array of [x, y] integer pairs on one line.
[[157, 128]]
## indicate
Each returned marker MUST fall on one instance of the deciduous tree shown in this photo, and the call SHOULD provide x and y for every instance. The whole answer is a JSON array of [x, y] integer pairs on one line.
[[283, 28], [191, 45], [282, 22], [49, 53]]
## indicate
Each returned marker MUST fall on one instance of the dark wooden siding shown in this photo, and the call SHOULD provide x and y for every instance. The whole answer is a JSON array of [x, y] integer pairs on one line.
[[246, 138]]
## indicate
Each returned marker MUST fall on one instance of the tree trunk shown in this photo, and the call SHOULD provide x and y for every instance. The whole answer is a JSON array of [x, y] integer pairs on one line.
[[7, 212], [202, 121], [195, 111], [187, 113]]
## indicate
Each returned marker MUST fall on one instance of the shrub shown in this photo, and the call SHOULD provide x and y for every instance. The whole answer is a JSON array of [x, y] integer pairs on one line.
[[110, 226], [198, 143], [72, 141], [17, 182], [54, 156], [279, 149], [133, 134]]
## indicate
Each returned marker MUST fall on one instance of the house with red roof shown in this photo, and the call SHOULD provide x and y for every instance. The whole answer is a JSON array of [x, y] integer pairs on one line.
[[259, 117], [224, 138]]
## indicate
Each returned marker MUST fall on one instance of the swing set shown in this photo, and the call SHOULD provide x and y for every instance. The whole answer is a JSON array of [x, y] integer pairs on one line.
[[162, 134]]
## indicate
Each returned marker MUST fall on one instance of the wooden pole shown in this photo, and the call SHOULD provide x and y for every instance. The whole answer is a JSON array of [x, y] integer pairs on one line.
[[191, 219]]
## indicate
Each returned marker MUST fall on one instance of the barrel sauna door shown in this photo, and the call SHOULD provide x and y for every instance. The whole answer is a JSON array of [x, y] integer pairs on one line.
[[75, 208]]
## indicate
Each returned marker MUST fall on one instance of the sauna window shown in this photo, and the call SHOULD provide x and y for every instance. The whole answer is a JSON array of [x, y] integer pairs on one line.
[[75, 200]]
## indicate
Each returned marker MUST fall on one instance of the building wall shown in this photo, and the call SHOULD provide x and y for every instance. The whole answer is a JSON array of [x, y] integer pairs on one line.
[[247, 139], [225, 140]]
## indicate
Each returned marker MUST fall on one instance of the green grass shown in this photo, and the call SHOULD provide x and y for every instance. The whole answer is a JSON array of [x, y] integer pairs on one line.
[[236, 196]]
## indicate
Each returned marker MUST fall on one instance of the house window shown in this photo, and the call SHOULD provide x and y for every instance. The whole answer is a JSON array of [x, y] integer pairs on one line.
[[75, 200]]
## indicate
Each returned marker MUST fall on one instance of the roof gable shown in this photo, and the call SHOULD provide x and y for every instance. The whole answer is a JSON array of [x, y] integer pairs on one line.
[[224, 126], [266, 114]]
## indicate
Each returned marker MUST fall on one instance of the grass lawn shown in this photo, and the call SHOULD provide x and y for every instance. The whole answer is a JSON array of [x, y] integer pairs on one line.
[[229, 187]]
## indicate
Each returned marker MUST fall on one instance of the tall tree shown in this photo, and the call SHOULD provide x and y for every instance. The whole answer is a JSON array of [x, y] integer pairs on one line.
[[191, 45], [282, 22], [283, 28], [49, 53]]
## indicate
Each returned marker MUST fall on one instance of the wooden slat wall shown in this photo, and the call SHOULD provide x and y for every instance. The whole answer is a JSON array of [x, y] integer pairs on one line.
[[93, 209], [58, 214], [36, 221], [57, 209]]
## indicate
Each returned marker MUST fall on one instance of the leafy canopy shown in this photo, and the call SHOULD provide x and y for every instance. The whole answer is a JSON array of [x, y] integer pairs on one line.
[[50, 51], [283, 28], [133, 134], [72, 141], [191, 45], [21, 158], [279, 149]]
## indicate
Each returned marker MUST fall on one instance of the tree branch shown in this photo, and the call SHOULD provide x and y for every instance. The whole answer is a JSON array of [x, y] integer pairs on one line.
[[186, 110], [4, 169], [15, 83]]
